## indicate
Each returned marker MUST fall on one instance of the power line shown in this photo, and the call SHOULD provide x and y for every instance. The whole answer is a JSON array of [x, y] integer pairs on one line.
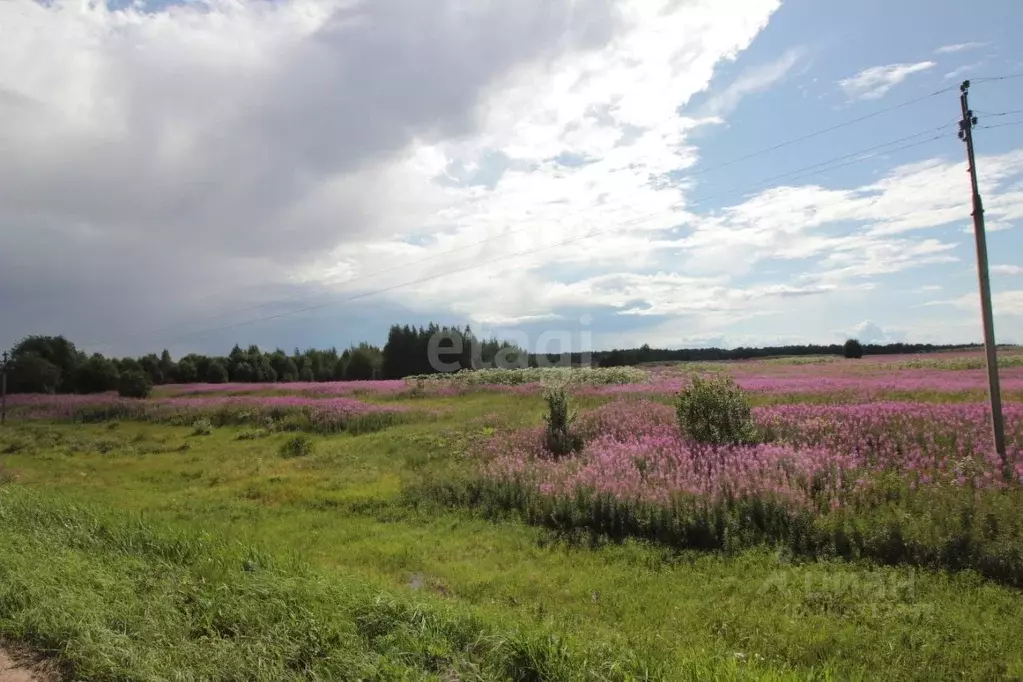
[[1001, 113], [507, 233], [517, 254], [1001, 125], [829, 129], [989, 79], [800, 172], [797, 173]]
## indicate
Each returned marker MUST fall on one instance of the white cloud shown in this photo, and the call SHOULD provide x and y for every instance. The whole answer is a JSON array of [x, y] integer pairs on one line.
[[753, 80], [870, 332], [840, 239], [875, 82], [959, 47], [1004, 303], [1007, 269], [306, 151], [964, 70]]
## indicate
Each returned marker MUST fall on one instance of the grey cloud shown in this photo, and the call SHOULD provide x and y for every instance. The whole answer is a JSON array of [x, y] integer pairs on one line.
[[174, 161]]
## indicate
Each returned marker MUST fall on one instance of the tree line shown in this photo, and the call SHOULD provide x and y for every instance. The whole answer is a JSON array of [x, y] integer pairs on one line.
[[643, 354], [53, 364]]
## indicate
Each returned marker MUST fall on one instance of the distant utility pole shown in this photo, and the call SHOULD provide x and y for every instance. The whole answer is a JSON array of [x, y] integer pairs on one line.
[[3, 391], [997, 423]]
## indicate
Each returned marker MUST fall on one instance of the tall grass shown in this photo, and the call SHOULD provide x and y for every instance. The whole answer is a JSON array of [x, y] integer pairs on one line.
[[309, 416], [940, 528], [122, 599]]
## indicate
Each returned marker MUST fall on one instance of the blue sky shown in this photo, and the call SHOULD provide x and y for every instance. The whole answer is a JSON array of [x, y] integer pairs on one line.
[[306, 172]]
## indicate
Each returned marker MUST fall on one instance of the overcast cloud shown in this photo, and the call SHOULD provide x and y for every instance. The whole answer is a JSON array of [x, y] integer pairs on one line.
[[205, 164]]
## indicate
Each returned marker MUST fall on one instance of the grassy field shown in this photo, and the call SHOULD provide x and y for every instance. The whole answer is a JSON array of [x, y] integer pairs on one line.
[[139, 551]]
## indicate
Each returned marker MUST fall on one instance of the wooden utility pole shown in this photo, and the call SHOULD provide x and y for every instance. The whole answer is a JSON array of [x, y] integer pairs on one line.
[[3, 391], [997, 423]]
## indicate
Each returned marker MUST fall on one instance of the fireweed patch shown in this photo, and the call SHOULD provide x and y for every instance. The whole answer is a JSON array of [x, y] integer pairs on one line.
[[855, 480], [291, 413]]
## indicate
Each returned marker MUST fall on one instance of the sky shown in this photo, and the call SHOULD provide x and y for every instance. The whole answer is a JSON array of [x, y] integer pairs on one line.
[[582, 174]]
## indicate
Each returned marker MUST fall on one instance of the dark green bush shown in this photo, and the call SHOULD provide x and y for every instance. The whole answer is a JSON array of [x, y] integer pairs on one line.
[[96, 375], [134, 384], [217, 373], [852, 349], [30, 373], [715, 411]]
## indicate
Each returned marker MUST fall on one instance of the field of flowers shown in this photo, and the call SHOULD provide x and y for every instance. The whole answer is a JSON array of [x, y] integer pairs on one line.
[[852, 442], [793, 552], [328, 414], [904, 480]]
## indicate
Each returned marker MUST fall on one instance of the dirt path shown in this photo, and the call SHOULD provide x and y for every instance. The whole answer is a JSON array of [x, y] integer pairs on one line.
[[14, 668]]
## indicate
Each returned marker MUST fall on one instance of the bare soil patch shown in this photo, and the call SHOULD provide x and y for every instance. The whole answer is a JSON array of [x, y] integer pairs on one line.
[[18, 666]]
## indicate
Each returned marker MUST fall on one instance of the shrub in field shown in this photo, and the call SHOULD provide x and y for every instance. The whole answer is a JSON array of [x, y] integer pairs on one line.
[[853, 350], [134, 384], [715, 411], [202, 427], [558, 436], [297, 446]]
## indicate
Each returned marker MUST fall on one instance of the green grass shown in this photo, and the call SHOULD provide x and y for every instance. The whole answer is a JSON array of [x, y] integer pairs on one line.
[[346, 580]]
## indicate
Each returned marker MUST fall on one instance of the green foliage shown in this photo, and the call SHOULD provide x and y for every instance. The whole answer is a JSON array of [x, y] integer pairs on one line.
[[946, 528], [134, 384], [852, 349], [254, 434], [297, 446], [202, 427], [428, 350], [96, 375], [716, 411], [187, 372], [55, 350], [558, 436], [633, 356], [31, 373], [217, 373], [956, 362], [362, 364]]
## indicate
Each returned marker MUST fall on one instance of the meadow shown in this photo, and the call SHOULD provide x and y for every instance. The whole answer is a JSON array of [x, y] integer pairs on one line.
[[426, 529]]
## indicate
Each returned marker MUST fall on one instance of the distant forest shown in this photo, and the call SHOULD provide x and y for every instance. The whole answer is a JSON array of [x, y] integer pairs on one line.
[[53, 364], [635, 356]]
